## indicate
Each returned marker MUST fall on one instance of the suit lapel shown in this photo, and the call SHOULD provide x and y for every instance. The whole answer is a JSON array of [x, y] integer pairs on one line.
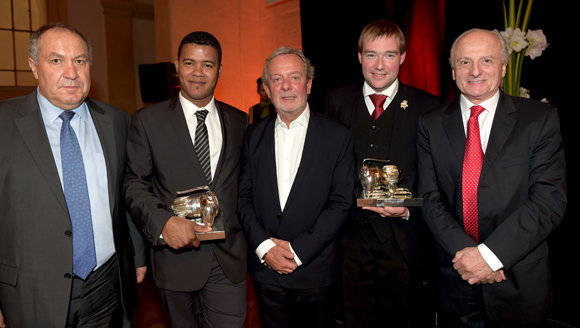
[[270, 156], [225, 124], [400, 116], [310, 148], [33, 132], [503, 123], [182, 132], [453, 125], [106, 132], [359, 102]]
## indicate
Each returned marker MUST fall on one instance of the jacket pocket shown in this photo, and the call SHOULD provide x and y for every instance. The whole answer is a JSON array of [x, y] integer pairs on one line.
[[8, 274]]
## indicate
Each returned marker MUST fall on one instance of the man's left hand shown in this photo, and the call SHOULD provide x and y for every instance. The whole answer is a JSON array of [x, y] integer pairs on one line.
[[471, 265], [280, 260], [389, 211], [282, 243], [141, 272]]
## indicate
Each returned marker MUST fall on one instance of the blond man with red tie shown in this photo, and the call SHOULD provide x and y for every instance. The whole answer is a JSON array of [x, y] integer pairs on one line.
[[384, 248]]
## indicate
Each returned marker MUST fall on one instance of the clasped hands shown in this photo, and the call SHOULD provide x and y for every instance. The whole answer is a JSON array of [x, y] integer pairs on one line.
[[280, 258], [472, 267], [180, 232]]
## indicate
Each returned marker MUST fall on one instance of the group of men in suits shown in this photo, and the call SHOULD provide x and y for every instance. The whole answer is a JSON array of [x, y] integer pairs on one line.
[[493, 183]]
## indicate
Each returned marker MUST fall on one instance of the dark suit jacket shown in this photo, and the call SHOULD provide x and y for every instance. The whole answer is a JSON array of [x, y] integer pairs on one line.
[[35, 248], [342, 105], [317, 206], [162, 161], [521, 197]]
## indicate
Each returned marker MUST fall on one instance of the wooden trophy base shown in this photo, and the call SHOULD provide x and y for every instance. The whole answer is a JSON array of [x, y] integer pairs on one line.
[[213, 235]]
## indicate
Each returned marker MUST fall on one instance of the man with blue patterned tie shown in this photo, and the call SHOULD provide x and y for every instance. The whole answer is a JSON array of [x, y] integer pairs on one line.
[[66, 258]]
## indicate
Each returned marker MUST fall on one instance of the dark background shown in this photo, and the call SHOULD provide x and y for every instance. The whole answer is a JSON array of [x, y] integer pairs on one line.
[[330, 32]]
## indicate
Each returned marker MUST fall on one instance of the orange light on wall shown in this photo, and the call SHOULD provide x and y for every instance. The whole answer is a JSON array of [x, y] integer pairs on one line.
[[248, 31]]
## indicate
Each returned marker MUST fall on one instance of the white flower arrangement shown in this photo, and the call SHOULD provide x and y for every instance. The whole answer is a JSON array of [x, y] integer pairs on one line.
[[533, 42]]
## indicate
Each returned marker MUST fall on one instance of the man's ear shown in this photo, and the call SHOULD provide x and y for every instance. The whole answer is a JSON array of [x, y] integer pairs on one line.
[[33, 67]]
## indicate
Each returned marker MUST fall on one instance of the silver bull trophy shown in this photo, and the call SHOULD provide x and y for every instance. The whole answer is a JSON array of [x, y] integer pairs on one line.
[[200, 208], [379, 182]]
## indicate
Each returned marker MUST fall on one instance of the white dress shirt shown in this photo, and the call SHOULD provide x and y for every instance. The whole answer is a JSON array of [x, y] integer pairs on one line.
[[390, 92], [289, 144], [212, 122], [485, 122], [95, 170]]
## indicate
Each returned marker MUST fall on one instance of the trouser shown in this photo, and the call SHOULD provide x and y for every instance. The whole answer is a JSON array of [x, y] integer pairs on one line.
[[297, 308], [379, 287], [96, 301], [220, 303]]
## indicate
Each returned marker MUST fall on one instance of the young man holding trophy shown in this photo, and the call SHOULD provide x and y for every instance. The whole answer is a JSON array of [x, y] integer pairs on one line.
[[192, 141]]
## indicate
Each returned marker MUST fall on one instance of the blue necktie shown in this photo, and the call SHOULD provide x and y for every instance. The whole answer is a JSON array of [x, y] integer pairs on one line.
[[77, 199]]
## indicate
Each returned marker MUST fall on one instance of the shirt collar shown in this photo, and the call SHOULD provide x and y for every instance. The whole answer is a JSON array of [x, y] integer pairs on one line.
[[390, 92], [301, 120], [490, 104], [190, 108], [52, 113]]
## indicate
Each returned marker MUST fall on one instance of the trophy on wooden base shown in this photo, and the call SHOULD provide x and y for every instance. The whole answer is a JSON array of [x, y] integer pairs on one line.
[[202, 207], [379, 186]]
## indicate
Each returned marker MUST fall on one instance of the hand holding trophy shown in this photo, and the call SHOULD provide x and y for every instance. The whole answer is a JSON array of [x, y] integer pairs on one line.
[[379, 182], [201, 206]]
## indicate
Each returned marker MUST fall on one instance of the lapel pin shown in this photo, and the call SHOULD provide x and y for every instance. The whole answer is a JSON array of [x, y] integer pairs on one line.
[[404, 104]]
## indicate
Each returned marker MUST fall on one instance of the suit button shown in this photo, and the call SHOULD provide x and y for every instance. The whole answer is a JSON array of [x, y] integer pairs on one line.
[[68, 233], [372, 145], [279, 216], [373, 127], [67, 275]]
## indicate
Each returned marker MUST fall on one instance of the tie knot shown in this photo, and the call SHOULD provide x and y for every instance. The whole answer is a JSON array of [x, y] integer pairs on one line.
[[201, 114], [67, 115], [476, 110], [378, 100]]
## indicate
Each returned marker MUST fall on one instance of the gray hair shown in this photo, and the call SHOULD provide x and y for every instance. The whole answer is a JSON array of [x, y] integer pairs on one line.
[[308, 68], [34, 43], [505, 56]]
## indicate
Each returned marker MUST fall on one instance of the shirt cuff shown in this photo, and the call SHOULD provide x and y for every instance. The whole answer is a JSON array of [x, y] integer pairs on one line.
[[489, 257], [296, 259], [408, 215], [263, 248]]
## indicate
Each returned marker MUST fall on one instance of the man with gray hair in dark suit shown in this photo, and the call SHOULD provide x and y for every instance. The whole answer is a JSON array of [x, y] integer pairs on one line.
[[66, 258]]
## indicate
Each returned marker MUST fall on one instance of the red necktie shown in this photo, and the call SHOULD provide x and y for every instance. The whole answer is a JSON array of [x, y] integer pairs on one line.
[[378, 101], [471, 170]]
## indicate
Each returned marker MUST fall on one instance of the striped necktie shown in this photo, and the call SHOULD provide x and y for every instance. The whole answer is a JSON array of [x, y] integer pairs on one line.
[[202, 144]]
